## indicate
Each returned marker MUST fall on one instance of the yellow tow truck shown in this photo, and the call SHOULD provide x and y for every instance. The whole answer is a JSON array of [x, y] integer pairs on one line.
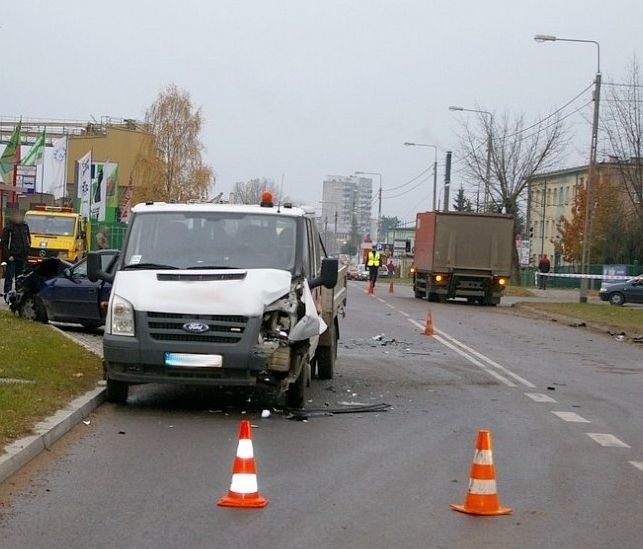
[[56, 232]]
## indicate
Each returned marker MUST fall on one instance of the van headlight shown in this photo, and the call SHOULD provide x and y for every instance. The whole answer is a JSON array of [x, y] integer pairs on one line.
[[121, 317]]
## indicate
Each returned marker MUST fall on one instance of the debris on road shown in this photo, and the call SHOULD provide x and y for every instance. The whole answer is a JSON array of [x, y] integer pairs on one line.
[[301, 415], [550, 388], [578, 325], [265, 414], [86, 421]]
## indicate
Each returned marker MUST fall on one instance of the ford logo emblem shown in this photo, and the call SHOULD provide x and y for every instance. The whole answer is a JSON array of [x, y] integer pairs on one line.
[[196, 327]]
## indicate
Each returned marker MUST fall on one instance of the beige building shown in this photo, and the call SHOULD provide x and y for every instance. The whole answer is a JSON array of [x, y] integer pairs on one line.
[[551, 197], [121, 143]]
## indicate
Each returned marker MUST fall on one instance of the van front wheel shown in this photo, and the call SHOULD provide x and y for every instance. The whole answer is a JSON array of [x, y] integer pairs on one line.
[[117, 391]]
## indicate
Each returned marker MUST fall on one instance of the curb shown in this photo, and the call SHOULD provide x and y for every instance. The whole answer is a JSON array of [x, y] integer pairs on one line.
[[47, 432]]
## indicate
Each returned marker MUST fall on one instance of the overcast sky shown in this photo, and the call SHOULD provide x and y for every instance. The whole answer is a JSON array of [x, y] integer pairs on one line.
[[309, 88]]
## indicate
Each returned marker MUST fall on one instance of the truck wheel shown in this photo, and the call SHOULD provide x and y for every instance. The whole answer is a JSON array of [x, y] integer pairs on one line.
[[32, 308], [117, 391], [296, 393], [325, 357]]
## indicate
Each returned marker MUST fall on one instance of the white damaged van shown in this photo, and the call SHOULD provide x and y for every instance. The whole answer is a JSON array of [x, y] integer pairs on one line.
[[221, 295]]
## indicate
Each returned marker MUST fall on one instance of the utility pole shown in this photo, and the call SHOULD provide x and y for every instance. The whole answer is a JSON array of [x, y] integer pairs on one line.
[[379, 214], [591, 172], [447, 182], [591, 181], [542, 231], [485, 203]]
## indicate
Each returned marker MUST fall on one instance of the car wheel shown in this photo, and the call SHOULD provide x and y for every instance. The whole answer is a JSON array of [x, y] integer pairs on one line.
[[617, 298], [32, 308], [117, 391]]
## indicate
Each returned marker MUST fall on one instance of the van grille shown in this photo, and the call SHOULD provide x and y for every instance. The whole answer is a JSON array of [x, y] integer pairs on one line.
[[222, 328]]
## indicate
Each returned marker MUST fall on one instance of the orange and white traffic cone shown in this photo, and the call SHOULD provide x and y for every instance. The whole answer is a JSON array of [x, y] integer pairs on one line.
[[482, 497], [429, 330], [391, 288], [243, 489], [371, 287]]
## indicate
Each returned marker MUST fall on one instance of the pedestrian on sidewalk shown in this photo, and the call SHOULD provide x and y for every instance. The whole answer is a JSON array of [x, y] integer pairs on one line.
[[390, 268], [16, 241], [102, 239], [544, 265]]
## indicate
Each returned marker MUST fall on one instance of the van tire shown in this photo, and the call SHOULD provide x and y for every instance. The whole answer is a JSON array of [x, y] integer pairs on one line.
[[117, 391], [296, 392], [325, 357]]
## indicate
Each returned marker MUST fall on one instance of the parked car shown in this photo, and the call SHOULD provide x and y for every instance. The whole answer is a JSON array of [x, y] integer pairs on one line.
[[60, 291], [361, 272], [629, 291]]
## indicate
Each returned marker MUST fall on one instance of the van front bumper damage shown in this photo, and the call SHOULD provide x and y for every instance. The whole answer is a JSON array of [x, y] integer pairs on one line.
[[142, 359]]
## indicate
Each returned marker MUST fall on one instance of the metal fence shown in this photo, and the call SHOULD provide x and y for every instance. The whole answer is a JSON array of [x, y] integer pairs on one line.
[[115, 234]]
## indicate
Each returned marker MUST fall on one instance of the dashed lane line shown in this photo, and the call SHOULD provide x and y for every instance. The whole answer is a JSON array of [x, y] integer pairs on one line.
[[391, 306], [604, 439], [572, 417], [462, 353], [540, 397], [486, 359], [607, 440]]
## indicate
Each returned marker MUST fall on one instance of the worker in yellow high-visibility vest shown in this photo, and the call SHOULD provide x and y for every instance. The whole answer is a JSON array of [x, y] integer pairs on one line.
[[373, 264]]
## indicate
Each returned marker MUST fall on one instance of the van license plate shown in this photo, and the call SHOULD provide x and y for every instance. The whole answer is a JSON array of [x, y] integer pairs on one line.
[[185, 360]]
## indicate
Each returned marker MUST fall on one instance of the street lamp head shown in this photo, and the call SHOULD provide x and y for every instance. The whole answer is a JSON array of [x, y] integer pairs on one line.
[[456, 108], [544, 38]]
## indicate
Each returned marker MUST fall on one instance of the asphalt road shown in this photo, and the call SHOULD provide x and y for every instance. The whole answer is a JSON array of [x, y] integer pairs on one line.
[[148, 474]]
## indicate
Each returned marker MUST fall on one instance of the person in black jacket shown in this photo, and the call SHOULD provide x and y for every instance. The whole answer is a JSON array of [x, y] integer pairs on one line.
[[16, 241]]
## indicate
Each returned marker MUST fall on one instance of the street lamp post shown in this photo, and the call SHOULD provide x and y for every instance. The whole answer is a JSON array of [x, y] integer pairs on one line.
[[379, 204], [487, 176], [591, 175], [435, 168]]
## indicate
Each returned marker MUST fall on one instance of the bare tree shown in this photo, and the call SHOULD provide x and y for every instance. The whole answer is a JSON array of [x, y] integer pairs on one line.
[[623, 125], [249, 192], [518, 151], [171, 167]]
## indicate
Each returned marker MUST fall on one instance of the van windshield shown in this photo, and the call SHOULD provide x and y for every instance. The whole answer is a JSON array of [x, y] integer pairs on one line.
[[209, 240], [55, 225]]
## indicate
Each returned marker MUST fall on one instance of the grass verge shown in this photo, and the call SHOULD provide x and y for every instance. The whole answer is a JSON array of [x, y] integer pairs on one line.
[[56, 369], [625, 318], [518, 291]]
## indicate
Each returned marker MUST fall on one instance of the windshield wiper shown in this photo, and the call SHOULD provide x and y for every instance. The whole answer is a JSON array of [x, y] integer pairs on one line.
[[148, 266], [194, 267]]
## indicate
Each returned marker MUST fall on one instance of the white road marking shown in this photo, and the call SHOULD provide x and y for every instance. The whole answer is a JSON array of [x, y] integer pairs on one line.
[[381, 300], [572, 417], [637, 464], [540, 397], [607, 440], [407, 315], [473, 361], [390, 306], [475, 353]]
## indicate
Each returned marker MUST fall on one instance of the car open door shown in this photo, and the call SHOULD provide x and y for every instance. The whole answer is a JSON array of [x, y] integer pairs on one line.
[[72, 297]]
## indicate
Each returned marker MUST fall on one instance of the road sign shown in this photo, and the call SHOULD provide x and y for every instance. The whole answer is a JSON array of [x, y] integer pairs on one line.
[[525, 253]]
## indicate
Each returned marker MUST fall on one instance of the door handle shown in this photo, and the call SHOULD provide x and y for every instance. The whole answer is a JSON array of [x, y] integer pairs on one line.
[[91, 291]]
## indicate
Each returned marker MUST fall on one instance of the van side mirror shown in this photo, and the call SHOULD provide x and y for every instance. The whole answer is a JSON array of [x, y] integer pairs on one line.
[[328, 276], [94, 269]]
